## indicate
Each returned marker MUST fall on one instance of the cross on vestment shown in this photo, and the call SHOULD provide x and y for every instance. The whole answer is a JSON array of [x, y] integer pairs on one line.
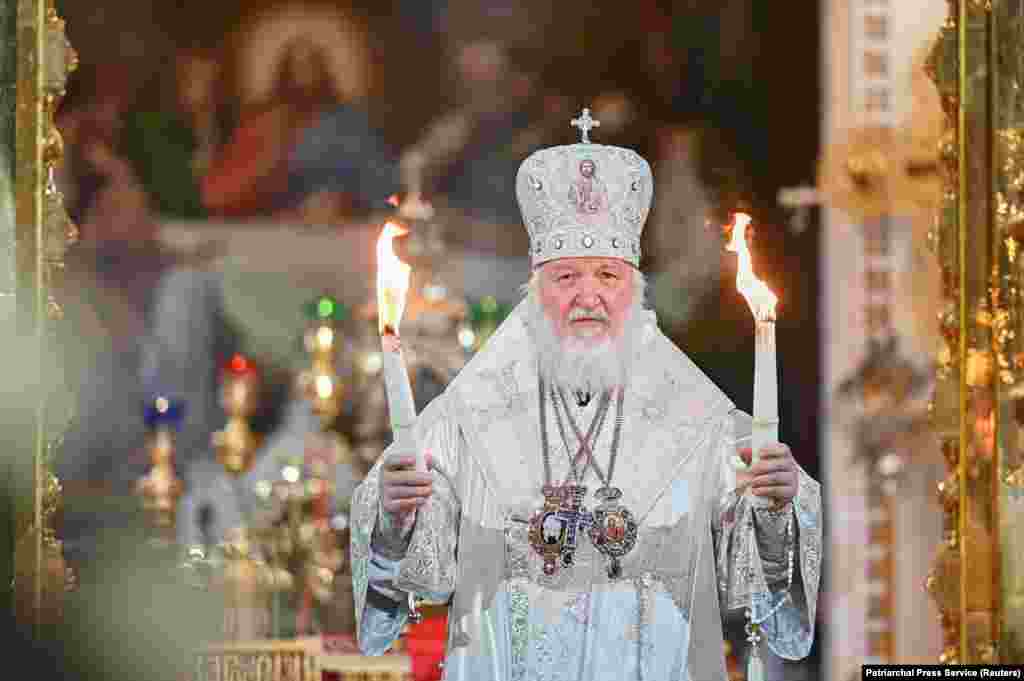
[[575, 518], [585, 123]]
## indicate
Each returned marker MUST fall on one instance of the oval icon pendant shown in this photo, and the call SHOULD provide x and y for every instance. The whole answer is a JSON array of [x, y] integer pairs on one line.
[[613, 529]]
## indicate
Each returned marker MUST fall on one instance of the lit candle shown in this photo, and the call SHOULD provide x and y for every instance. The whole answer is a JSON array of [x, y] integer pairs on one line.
[[392, 287], [762, 305]]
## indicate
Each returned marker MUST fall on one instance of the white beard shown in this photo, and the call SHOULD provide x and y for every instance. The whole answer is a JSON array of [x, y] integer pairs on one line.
[[577, 363]]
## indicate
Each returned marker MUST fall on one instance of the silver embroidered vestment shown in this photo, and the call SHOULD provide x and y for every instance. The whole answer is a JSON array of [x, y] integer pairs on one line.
[[700, 547]]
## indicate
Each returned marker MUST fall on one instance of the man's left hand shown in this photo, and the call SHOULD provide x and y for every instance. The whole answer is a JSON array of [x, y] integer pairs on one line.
[[775, 476]]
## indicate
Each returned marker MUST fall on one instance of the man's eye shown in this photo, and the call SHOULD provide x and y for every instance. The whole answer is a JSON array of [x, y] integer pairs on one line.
[[609, 275]]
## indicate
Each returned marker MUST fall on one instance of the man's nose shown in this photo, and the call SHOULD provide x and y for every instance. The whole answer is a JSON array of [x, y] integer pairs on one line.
[[589, 295]]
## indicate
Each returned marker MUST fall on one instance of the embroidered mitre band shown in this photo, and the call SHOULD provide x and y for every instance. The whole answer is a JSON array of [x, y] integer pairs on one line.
[[584, 200]]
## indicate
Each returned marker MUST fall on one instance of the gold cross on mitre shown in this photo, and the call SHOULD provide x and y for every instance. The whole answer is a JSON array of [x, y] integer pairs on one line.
[[585, 123]]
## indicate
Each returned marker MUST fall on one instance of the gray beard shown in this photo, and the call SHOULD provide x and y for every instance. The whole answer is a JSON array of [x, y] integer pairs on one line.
[[577, 364]]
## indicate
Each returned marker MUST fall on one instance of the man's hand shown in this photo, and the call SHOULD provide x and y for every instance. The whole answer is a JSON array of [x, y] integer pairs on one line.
[[402, 489], [774, 476]]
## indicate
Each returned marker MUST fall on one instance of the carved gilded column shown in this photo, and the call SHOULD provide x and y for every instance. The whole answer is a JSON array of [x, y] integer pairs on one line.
[[978, 66], [42, 233]]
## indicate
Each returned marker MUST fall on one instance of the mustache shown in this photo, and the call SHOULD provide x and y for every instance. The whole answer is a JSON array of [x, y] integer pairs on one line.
[[578, 313]]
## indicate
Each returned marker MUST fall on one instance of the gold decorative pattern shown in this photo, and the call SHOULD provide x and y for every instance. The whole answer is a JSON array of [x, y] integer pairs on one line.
[[855, 172], [943, 580], [876, 170], [59, 58], [976, 580], [44, 60], [271, 661], [303, 659]]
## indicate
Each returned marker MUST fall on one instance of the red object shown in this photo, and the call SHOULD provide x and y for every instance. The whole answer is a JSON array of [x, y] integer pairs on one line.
[[250, 171], [425, 644], [239, 365]]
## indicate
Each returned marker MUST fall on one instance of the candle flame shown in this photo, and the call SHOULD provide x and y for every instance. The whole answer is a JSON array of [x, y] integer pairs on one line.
[[758, 296], [324, 387], [392, 280], [325, 337]]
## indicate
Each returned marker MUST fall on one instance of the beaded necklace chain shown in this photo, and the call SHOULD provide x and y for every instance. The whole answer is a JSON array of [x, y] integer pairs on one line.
[[755, 668], [586, 446], [596, 425]]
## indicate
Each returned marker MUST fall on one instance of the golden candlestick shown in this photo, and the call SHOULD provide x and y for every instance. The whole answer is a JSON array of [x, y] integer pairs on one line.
[[161, 488], [236, 444], [320, 383]]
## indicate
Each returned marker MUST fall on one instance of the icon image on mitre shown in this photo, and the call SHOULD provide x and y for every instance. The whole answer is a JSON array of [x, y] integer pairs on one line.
[[588, 193]]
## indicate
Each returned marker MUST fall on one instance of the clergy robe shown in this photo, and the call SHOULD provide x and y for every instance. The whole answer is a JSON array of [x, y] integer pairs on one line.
[[701, 547]]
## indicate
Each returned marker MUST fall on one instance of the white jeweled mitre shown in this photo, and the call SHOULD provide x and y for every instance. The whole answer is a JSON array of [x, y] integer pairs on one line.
[[585, 199]]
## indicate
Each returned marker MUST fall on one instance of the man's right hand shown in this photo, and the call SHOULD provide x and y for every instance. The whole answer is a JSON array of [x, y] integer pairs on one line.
[[402, 489]]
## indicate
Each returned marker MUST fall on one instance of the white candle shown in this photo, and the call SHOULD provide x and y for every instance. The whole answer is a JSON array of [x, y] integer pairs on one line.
[[761, 302], [401, 406], [392, 286], [766, 388]]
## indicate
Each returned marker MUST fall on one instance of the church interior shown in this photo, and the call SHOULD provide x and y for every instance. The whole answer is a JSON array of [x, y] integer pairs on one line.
[[192, 196]]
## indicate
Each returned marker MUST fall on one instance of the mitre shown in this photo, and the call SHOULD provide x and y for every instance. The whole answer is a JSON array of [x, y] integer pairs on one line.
[[585, 199]]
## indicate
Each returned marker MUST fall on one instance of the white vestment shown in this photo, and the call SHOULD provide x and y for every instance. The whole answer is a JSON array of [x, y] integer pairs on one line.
[[700, 546]]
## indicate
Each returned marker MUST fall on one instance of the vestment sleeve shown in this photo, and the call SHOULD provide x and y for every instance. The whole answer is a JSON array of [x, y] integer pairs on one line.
[[751, 553], [383, 579]]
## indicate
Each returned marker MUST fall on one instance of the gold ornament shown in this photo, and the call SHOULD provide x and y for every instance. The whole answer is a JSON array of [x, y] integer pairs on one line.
[[161, 488], [855, 172], [236, 444], [60, 58], [873, 171], [320, 383]]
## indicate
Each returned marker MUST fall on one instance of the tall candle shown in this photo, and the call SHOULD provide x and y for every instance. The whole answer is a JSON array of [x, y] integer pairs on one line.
[[761, 302], [766, 387], [392, 287]]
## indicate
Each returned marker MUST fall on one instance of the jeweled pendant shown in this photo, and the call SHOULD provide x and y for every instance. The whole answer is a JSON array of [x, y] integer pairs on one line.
[[554, 527], [613, 529]]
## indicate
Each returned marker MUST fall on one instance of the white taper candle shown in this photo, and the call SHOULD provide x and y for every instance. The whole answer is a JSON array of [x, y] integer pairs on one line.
[[766, 388], [401, 407]]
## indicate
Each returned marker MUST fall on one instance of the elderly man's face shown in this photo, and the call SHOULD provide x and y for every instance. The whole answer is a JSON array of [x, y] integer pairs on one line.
[[587, 298]]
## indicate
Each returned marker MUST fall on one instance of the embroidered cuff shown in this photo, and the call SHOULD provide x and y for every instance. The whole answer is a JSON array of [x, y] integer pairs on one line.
[[773, 542], [391, 539], [774, 513]]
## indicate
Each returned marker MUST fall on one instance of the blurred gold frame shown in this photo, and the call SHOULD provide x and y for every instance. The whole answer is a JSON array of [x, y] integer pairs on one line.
[[977, 580], [43, 231]]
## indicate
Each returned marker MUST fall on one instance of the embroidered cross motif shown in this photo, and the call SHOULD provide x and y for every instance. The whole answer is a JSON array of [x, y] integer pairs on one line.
[[512, 400]]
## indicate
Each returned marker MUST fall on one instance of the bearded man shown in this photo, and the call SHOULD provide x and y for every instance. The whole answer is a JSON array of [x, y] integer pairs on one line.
[[582, 514]]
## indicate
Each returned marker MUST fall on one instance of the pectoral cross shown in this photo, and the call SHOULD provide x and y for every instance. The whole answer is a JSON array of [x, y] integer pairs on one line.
[[575, 517], [585, 123]]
